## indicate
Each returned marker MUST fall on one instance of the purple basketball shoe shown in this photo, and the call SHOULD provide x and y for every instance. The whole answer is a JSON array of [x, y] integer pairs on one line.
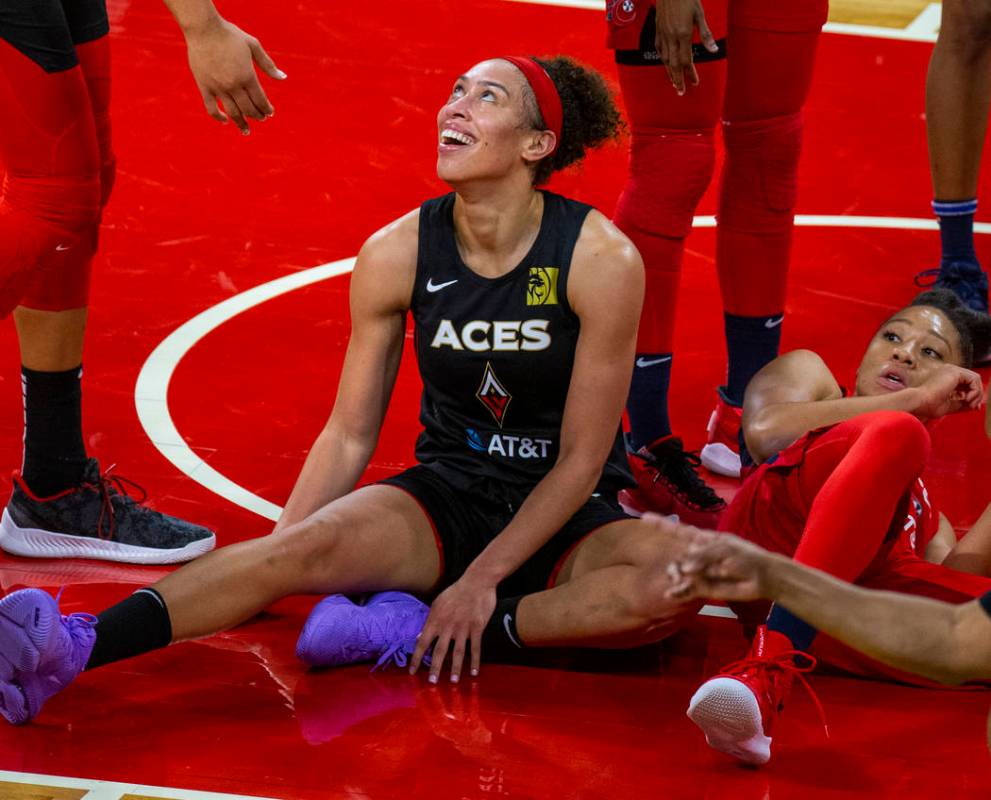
[[339, 632], [41, 651]]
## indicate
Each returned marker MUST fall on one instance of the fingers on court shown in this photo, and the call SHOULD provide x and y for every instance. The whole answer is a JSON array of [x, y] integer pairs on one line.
[[457, 658], [441, 647], [422, 644]]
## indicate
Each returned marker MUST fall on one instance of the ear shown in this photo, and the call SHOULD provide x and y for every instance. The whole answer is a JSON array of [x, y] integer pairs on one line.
[[538, 145]]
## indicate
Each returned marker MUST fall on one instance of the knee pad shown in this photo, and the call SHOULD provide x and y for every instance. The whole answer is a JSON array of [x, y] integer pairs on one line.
[[669, 172], [61, 280], [902, 436], [760, 176]]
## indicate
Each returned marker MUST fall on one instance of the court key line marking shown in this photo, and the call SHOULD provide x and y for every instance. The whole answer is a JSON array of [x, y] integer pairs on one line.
[[152, 388], [109, 790], [922, 29]]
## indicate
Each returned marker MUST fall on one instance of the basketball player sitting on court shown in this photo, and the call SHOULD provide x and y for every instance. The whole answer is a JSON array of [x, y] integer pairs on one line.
[[838, 489], [525, 307]]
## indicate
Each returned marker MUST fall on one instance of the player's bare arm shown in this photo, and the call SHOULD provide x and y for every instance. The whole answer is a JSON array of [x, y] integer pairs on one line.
[[380, 295]]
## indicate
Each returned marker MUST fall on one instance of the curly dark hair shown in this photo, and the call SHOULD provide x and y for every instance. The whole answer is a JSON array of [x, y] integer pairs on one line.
[[591, 117], [973, 327]]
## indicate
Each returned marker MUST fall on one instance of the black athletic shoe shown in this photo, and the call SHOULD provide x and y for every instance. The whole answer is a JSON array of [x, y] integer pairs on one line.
[[97, 519], [966, 279], [668, 483]]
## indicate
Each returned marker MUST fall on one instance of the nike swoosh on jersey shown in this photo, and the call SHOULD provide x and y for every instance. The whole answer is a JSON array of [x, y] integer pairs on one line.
[[773, 323], [643, 362], [436, 287]]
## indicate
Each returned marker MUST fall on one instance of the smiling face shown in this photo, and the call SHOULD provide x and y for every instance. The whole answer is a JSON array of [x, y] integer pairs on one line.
[[906, 350], [483, 129]]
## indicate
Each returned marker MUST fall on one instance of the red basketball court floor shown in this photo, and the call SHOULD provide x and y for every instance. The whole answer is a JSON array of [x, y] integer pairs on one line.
[[200, 215]]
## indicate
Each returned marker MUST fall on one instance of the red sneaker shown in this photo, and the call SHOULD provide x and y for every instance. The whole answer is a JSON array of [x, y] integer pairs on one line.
[[668, 483], [737, 708], [721, 453]]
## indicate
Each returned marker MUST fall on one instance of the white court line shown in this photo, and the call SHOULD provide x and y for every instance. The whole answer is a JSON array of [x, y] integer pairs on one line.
[[152, 388], [922, 29], [108, 790]]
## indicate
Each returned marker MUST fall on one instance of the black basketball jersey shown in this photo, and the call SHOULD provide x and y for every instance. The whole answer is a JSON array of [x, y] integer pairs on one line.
[[495, 356]]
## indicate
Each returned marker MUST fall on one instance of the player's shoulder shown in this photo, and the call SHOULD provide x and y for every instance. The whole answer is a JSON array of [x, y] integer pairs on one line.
[[396, 241], [601, 242]]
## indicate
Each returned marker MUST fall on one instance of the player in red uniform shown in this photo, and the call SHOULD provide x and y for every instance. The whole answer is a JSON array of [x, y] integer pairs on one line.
[[55, 145], [750, 68], [838, 489]]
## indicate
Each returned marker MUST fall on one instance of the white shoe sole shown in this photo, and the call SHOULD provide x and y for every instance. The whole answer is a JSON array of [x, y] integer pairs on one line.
[[38, 543], [728, 714], [717, 457]]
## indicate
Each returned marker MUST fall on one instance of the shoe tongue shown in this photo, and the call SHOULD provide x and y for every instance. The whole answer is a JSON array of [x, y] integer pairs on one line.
[[768, 643], [666, 447], [91, 472]]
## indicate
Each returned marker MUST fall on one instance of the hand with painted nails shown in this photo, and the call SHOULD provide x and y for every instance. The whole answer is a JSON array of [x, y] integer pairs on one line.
[[222, 59], [457, 618], [676, 21]]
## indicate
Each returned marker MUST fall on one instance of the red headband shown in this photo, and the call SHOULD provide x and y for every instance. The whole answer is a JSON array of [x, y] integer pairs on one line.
[[548, 100]]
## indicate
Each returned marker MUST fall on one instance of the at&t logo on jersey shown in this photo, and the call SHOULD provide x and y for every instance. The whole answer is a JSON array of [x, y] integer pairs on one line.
[[481, 336], [541, 286], [509, 446]]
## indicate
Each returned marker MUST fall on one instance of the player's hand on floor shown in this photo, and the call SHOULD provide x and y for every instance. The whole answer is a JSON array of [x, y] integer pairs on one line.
[[456, 621], [676, 21], [222, 59]]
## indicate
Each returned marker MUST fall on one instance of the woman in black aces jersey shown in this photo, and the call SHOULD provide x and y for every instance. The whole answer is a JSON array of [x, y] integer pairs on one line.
[[526, 307]]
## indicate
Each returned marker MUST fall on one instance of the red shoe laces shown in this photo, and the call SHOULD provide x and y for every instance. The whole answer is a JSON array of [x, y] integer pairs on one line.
[[108, 486], [784, 662]]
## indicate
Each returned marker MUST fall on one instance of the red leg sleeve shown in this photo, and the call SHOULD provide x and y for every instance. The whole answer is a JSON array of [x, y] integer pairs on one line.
[[671, 162], [48, 144]]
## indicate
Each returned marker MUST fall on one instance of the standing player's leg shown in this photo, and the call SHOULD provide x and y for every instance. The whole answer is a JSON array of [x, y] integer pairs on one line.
[[853, 480], [59, 503], [48, 146], [958, 96], [672, 153], [772, 49], [375, 538]]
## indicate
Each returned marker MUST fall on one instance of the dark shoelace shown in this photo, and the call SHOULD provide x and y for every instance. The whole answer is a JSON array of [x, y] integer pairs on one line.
[[111, 486], [681, 468]]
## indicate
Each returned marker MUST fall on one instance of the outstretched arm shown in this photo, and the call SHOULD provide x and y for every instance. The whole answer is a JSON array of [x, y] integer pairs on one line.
[[221, 58], [949, 643]]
